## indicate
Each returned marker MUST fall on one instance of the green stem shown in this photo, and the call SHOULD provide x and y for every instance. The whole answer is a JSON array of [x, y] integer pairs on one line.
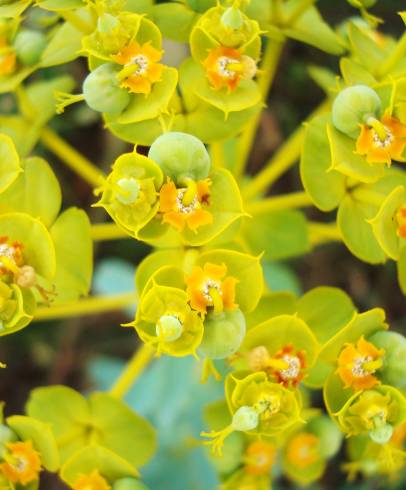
[[133, 369], [323, 232], [87, 306], [73, 159], [276, 203], [268, 69], [107, 231]]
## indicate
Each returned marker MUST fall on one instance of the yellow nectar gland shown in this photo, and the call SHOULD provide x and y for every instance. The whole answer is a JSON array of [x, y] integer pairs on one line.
[[185, 206], [93, 481], [209, 287], [357, 364], [140, 67], [259, 458], [22, 463], [382, 140], [8, 60], [225, 67], [303, 450]]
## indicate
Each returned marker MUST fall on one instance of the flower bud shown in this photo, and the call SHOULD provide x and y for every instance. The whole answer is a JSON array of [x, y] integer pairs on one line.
[[169, 328], [102, 90], [181, 156], [223, 334], [393, 371], [353, 106], [129, 483], [29, 46], [232, 18], [381, 435], [245, 418]]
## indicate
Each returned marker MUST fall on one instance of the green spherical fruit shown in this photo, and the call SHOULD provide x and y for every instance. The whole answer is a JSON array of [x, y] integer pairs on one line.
[[102, 90], [329, 434], [129, 483], [181, 156], [353, 106], [223, 334], [29, 46], [393, 371]]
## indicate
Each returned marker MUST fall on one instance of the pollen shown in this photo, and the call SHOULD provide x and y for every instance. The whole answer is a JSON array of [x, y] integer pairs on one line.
[[11, 253]]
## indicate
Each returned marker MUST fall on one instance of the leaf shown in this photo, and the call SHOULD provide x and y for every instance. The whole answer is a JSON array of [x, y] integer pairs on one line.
[[352, 220], [64, 46], [24, 133], [354, 73], [35, 192], [324, 77], [270, 305], [9, 163], [325, 185], [175, 21], [366, 51], [71, 234]]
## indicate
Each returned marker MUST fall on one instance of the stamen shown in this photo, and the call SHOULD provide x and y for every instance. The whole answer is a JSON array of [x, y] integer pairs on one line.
[[228, 67]]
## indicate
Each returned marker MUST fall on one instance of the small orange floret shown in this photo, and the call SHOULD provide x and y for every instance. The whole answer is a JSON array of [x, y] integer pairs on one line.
[[225, 67], [357, 363], [12, 252], [209, 286], [8, 60], [183, 206], [22, 463], [303, 450], [259, 458], [93, 481], [385, 147], [292, 374], [141, 68]]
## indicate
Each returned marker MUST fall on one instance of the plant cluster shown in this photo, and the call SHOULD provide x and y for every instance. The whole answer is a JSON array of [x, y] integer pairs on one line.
[[182, 189]]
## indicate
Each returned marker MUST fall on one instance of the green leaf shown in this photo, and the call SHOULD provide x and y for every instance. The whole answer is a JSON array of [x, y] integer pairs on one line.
[[95, 457], [9, 162], [366, 51], [35, 192], [270, 305], [71, 234], [150, 106], [325, 185], [354, 73], [174, 20], [63, 47], [14, 9], [288, 229], [352, 220], [30, 429]]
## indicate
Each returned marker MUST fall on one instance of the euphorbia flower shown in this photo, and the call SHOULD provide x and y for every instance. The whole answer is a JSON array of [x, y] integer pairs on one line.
[[185, 206], [303, 450], [259, 458], [382, 140], [210, 287], [93, 481], [22, 463], [8, 59], [225, 67], [141, 68], [357, 364]]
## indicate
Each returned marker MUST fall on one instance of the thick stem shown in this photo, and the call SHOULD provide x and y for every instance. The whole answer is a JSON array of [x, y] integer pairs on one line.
[[323, 232], [276, 203], [107, 231], [132, 370], [85, 307], [73, 159]]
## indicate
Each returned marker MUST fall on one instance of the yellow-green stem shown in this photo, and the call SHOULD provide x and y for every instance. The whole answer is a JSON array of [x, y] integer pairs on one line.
[[132, 370], [107, 231], [85, 307], [73, 159], [282, 160], [276, 203], [267, 70], [397, 54], [323, 232]]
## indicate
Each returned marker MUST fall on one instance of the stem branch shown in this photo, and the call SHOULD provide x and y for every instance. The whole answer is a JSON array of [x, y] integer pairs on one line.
[[276, 203]]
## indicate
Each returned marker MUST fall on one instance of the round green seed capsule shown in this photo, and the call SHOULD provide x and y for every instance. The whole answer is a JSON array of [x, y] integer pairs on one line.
[[128, 190], [181, 156], [223, 334], [169, 328], [381, 435], [232, 18], [102, 90], [245, 418], [353, 106], [129, 483], [29, 46], [393, 371]]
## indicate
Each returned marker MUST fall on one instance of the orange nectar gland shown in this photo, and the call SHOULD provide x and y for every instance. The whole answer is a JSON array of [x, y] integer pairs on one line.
[[7, 58], [208, 287], [401, 219], [141, 69], [94, 481], [225, 67], [185, 206], [259, 458], [357, 364], [382, 140], [286, 365], [22, 463], [303, 450]]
